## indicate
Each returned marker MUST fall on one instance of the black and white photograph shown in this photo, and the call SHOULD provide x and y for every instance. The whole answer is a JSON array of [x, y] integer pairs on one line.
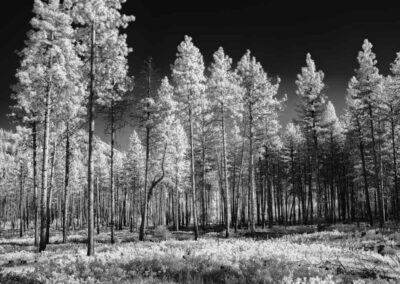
[[200, 142]]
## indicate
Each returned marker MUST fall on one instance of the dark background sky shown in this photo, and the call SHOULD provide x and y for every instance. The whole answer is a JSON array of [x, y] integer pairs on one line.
[[279, 34]]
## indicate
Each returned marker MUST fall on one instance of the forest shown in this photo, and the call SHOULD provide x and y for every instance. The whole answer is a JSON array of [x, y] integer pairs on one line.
[[208, 162]]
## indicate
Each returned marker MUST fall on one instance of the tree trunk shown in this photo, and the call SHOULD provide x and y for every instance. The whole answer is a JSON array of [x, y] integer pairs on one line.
[[226, 200], [21, 199], [90, 193], [46, 134], [144, 204], [35, 193], [112, 174], [203, 190], [251, 174], [269, 190], [175, 203], [192, 174], [66, 183], [315, 170], [364, 168], [376, 168], [394, 153], [50, 193]]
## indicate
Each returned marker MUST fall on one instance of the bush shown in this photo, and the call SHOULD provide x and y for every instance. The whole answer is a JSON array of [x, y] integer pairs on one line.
[[162, 233]]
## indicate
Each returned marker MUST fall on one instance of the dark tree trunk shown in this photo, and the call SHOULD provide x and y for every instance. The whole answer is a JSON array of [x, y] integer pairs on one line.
[[35, 193], [90, 193], [66, 184]]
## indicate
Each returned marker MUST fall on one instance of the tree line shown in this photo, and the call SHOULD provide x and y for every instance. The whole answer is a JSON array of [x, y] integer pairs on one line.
[[206, 148]]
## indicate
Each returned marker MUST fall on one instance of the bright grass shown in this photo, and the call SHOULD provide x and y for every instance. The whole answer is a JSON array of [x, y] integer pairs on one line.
[[328, 257]]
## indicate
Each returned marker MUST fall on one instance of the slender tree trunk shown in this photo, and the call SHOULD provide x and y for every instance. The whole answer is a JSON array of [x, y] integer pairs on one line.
[[144, 204], [50, 193], [46, 134], [192, 174], [21, 199], [124, 207], [35, 193], [90, 193], [269, 189], [240, 185], [112, 174], [263, 194], [364, 169], [315, 171], [252, 194], [175, 203], [396, 206], [227, 209], [384, 211], [233, 198], [310, 192], [203, 190], [66, 184], [98, 199], [376, 168]]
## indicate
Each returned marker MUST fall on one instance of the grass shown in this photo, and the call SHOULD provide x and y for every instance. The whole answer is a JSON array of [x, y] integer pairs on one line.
[[343, 255]]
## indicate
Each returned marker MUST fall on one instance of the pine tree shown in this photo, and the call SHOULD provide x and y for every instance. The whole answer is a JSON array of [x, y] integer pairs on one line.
[[102, 46], [391, 104], [333, 140], [225, 91], [260, 104], [49, 71], [158, 118], [367, 86], [147, 112], [135, 168], [179, 170], [356, 127], [312, 104], [188, 75], [293, 142]]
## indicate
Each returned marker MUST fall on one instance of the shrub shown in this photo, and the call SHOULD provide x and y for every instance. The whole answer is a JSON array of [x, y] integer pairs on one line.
[[162, 233]]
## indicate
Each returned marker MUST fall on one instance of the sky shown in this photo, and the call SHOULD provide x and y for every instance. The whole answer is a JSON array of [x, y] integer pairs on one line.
[[278, 33]]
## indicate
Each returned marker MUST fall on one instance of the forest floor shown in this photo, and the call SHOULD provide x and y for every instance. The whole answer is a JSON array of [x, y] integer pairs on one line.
[[298, 254]]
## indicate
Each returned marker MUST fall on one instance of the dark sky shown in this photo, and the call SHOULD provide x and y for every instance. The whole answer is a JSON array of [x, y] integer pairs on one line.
[[279, 34]]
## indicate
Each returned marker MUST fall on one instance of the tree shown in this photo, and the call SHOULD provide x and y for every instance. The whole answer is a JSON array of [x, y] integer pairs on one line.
[[260, 104], [100, 43], [226, 93], [367, 86], [294, 139], [135, 168], [177, 158], [333, 139], [147, 112], [48, 71], [355, 128], [312, 104], [391, 102], [188, 75], [158, 118], [113, 98]]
